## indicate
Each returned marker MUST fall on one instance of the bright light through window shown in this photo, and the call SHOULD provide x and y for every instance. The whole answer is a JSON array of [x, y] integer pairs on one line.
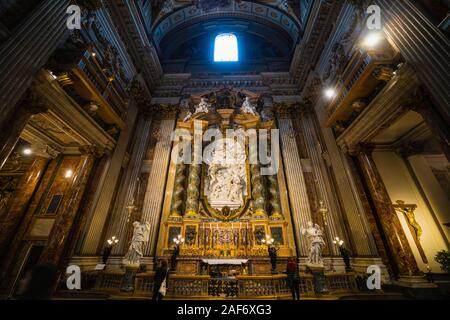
[[226, 48]]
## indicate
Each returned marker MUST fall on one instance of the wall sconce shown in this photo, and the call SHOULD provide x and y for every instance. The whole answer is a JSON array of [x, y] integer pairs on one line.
[[68, 174], [330, 93], [372, 40], [179, 240], [338, 242], [345, 254], [323, 211], [107, 251], [268, 241]]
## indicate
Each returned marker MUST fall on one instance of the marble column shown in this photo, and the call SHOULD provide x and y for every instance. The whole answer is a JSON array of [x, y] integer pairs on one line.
[[22, 197], [274, 197], [405, 263], [192, 203], [258, 192], [179, 190], [101, 208], [193, 192], [11, 130], [127, 189], [27, 49], [298, 195], [151, 211], [56, 243]]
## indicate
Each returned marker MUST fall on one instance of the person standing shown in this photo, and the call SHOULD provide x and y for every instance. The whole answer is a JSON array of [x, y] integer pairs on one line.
[[161, 281], [173, 259], [293, 278], [38, 283]]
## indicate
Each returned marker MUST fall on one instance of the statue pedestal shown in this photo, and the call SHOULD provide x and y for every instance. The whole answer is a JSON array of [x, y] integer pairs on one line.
[[128, 279], [318, 272]]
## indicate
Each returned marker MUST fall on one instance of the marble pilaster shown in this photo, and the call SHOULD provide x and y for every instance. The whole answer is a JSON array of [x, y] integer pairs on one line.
[[422, 45], [351, 202], [27, 186], [334, 225], [56, 243], [28, 49], [127, 188], [405, 263], [151, 211], [101, 207], [298, 195]]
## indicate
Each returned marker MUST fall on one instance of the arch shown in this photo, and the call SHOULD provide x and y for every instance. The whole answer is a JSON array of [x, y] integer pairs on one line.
[[246, 10]]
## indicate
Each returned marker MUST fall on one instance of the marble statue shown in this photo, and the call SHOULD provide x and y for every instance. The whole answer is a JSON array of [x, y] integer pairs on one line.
[[141, 235], [248, 107], [202, 107], [227, 176], [314, 234]]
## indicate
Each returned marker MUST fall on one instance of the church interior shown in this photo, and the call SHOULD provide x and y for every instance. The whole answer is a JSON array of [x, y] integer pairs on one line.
[[246, 147]]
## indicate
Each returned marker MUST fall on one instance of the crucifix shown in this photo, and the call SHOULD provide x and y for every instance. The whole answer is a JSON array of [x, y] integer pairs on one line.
[[416, 230]]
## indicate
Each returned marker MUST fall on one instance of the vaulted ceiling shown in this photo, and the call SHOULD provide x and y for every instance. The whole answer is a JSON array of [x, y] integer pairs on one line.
[[183, 33]]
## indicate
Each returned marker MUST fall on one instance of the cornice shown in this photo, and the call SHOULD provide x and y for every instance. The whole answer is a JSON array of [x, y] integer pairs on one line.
[[126, 17]]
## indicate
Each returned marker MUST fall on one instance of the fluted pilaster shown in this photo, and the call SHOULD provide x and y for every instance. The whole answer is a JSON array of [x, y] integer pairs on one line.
[[151, 211], [101, 208], [126, 193], [422, 45], [323, 182], [298, 195], [28, 49]]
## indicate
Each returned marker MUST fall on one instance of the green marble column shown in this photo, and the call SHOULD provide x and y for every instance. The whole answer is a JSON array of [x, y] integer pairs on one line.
[[274, 197], [193, 192], [259, 201], [178, 191]]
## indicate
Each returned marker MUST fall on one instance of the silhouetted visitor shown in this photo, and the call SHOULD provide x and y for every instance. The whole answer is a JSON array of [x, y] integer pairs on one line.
[[161, 281], [38, 283], [175, 254], [273, 256], [293, 278]]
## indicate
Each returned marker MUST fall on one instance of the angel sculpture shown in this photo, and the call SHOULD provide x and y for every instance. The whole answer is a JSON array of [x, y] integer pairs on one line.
[[141, 235], [248, 107], [314, 234], [203, 107]]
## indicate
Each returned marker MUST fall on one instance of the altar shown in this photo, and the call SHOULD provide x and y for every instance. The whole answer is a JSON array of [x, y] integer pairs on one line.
[[235, 262], [226, 206]]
